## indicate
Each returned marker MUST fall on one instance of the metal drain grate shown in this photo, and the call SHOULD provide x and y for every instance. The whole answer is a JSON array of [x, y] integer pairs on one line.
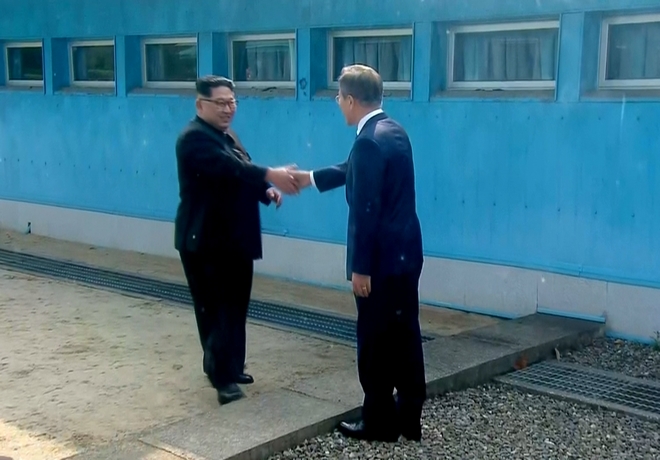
[[323, 324], [591, 386]]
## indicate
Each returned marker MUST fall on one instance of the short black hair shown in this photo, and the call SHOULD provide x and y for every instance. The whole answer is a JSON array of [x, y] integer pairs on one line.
[[205, 85]]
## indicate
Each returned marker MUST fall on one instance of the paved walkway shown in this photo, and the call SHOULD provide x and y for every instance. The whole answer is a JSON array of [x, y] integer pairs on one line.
[[469, 349]]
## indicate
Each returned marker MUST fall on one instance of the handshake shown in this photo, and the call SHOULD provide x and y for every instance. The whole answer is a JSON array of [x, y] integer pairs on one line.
[[288, 179]]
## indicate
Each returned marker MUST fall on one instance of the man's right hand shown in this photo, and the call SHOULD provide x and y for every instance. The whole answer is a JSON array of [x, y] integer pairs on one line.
[[303, 178], [282, 178]]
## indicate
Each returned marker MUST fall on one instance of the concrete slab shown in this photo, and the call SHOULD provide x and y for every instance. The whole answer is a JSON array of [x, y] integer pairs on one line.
[[532, 329], [106, 367], [126, 450], [281, 420], [279, 414], [474, 357], [341, 387], [250, 429]]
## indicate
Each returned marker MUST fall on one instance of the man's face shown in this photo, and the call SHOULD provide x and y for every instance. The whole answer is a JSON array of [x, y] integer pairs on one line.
[[218, 109], [347, 106]]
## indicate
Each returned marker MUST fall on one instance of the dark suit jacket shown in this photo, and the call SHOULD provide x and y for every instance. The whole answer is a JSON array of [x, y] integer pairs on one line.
[[384, 234], [220, 190]]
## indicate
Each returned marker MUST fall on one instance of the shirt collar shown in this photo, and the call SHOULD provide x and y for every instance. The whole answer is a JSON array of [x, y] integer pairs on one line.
[[366, 118]]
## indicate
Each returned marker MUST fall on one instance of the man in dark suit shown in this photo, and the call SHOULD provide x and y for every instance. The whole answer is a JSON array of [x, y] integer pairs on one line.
[[384, 259], [218, 229]]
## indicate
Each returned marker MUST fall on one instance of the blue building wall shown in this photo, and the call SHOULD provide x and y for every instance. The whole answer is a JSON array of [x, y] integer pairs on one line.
[[569, 184]]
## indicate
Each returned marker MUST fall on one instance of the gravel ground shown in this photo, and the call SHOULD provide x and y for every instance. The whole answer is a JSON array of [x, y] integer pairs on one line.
[[629, 358], [499, 422]]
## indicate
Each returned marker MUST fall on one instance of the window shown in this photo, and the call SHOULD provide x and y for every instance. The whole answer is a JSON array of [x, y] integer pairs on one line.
[[630, 52], [93, 63], [388, 51], [169, 63], [503, 56], [260, 61], [25, 64]]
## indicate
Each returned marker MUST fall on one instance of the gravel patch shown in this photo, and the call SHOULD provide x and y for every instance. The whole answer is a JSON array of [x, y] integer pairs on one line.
[[631, 359], [499, 422]]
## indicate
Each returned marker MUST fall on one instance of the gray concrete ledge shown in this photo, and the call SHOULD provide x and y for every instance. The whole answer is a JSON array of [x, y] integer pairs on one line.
[[250, 429], [253, 429], [474, 357]]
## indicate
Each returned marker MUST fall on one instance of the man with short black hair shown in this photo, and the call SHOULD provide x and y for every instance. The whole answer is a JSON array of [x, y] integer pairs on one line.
[[218, 229], [384, 259]]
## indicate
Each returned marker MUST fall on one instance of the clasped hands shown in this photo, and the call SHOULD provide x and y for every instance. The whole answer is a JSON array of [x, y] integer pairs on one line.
[[288, 179]]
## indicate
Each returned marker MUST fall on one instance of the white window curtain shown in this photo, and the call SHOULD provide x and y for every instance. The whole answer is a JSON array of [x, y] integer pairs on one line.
[[264, 60], [15, 64], [633, 51], [390, 56], [506, 56], [80, 66], [155, 56]]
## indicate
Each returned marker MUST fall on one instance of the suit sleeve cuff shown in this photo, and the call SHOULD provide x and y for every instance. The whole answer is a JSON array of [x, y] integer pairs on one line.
[[257, 173]]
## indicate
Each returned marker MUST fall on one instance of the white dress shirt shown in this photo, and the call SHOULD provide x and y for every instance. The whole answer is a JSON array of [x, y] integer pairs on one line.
[[363, 121]]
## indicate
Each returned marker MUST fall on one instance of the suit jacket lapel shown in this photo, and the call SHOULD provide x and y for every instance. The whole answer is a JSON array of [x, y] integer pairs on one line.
[[237, 150], [242, 151], [374, 119]]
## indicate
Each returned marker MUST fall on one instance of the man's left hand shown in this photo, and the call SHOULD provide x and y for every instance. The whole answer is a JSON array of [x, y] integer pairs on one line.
[[361, 285], [274, 196]]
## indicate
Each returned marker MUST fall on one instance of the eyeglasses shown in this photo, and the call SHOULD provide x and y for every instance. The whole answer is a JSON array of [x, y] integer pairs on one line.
[[231, 104]]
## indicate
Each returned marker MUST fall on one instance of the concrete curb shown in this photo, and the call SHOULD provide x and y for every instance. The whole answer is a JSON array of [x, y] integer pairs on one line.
[[472, 359], [267, 449], [295, 438], [486, 371]]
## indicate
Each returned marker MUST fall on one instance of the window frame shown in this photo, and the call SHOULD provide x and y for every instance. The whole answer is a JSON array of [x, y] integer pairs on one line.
[[357, 33], [265, 84], [24, 44], [184, 40], [603, 56], [92, 84], [539, 85]]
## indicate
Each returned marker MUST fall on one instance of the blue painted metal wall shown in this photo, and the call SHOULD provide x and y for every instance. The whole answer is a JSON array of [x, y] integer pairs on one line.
[[569, 185]]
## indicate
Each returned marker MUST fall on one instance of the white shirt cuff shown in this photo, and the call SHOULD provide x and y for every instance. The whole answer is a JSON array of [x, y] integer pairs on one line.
[[311, 179]]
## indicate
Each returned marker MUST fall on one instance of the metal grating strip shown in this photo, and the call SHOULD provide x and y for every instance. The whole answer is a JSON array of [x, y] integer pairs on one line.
[[323, 324], [583, 384]]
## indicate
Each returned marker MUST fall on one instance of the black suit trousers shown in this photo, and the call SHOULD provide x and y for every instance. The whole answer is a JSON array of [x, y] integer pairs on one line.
[[390, 354], [220, 286]]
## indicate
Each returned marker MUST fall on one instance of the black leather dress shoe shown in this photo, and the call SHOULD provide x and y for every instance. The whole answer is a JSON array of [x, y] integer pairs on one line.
[[245, 379], [412, 434], [359, 431], [229, 393]]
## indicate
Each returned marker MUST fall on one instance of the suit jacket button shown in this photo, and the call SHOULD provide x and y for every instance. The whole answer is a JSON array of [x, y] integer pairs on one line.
[[193, 237]]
